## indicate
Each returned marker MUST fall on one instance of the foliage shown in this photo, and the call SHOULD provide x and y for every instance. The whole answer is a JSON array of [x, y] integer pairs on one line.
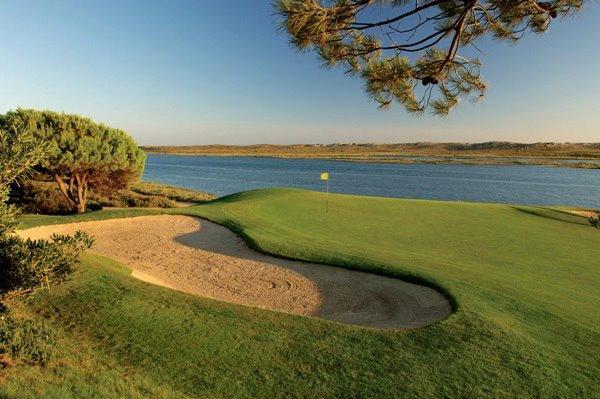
[[82, 154], [595, 221], [26, 340], [19, 152], [27, 265], [132, 199], [398, 46], [171, 192], [33, 196], [43, 197]]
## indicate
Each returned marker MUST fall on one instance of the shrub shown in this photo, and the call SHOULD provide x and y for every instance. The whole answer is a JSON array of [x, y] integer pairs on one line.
[[43, 197], [595, 221], [40, 197], [27, 265], [26, 340], [131, 199], [171, 192]]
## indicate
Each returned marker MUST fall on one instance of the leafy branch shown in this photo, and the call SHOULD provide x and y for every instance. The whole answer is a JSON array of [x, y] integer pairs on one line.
[[410, 55]]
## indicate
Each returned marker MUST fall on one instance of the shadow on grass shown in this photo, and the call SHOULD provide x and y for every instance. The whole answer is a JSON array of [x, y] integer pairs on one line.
[[554, 214]]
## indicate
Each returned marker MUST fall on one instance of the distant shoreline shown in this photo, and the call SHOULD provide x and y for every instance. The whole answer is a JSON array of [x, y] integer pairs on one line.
[[572, 155]]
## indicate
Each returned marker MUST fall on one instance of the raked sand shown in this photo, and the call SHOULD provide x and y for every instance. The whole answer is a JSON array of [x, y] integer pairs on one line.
[[205, 259]]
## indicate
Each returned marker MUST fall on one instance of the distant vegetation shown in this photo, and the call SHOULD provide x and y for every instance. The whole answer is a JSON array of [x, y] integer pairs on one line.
[[495, 152]]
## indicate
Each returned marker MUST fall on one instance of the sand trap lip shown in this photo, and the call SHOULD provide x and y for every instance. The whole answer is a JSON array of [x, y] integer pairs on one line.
[[586, 213], [205, 259]]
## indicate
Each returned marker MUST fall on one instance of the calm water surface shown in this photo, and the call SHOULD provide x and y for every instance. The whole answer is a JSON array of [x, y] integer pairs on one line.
[[535, 185]]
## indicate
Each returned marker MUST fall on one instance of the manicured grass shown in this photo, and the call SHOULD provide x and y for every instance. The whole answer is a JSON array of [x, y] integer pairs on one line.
[[525, 284]]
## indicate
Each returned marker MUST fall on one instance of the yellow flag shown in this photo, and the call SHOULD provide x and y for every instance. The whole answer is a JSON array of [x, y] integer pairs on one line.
[[325, 176]]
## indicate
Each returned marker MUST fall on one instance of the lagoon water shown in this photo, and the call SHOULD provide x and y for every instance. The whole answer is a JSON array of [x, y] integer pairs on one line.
[[536, 185]]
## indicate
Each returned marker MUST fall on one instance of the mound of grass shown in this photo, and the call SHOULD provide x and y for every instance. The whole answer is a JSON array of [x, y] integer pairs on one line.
[[526, 324]]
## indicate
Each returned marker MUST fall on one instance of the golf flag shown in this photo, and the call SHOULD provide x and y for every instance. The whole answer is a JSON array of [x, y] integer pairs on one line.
[[325, 178]]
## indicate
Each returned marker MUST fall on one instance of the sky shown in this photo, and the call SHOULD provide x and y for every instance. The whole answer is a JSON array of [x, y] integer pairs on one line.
[[219, 72]]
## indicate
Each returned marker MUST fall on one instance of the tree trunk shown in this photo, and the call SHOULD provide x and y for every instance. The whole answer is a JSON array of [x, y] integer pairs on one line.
[[81, 207], [65, 191], [76, 192], [81, 192]]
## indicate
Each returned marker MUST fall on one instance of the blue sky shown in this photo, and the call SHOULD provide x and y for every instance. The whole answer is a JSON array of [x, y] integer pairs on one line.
[[205, 72]]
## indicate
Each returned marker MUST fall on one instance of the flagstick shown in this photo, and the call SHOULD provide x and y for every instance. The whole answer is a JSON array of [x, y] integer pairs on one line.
[[327, 197]]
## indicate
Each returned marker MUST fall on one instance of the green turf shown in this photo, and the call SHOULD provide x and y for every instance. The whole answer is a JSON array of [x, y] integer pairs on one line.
[[525, 282]]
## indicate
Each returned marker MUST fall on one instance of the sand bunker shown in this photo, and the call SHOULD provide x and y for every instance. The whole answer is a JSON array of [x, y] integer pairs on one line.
[[586, 213], [206, 259]]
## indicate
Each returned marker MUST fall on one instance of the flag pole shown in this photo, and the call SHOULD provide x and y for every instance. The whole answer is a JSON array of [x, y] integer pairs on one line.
[[327, 197], [325, 176]]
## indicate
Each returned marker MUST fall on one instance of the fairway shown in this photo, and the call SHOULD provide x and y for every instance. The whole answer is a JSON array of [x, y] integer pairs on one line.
[[523, 281]]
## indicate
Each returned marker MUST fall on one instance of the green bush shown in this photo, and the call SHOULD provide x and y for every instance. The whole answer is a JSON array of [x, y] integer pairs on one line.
[[26, 340], [595, 221], [28, 265]]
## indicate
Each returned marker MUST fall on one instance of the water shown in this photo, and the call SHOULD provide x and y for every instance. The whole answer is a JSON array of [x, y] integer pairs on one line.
[[512, 184]]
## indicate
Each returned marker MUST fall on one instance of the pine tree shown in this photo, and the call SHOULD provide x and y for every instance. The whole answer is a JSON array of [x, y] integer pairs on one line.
[[81, 154], [408, 51]]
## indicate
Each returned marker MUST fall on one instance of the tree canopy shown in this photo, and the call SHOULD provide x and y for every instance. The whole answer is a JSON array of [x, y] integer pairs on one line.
[[410, 51], [81, 153]]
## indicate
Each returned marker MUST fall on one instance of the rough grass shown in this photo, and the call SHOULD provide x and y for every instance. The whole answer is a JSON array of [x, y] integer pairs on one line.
[[171, 192], [526, 325]]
